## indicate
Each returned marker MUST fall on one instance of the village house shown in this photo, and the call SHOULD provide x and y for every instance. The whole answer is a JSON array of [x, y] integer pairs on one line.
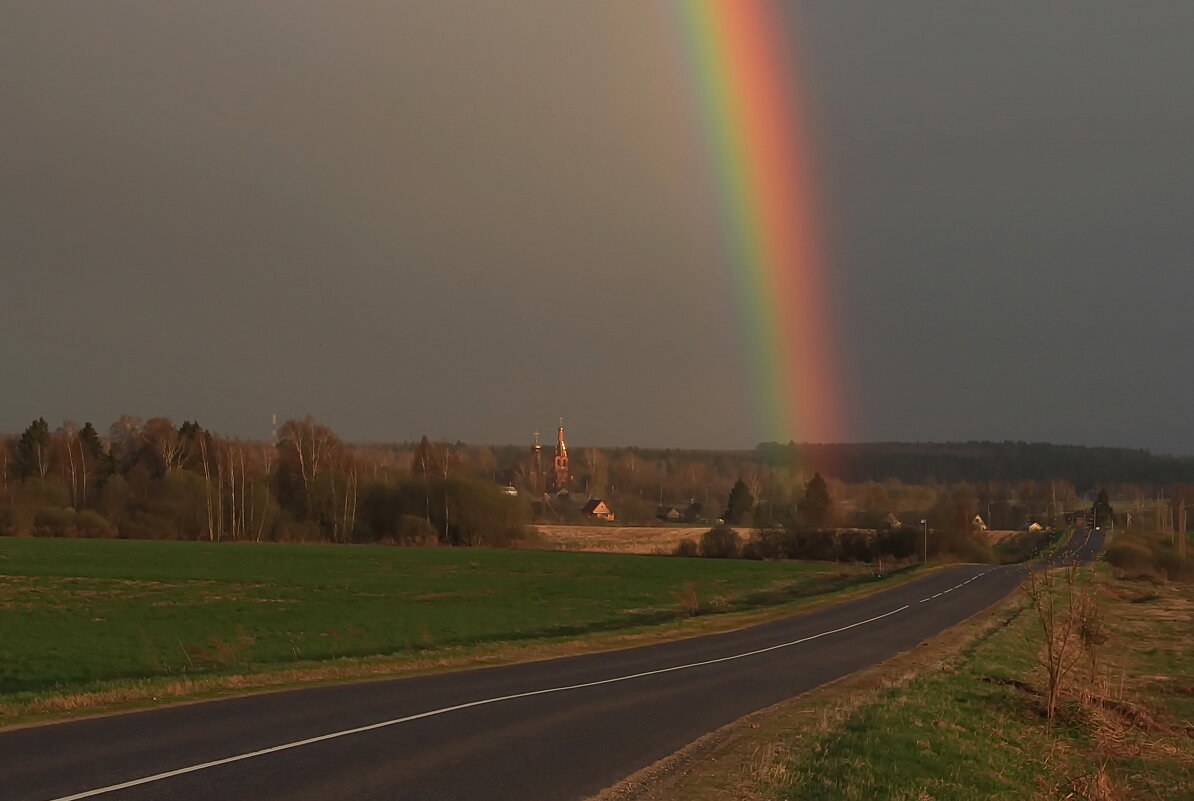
[[599, 509]]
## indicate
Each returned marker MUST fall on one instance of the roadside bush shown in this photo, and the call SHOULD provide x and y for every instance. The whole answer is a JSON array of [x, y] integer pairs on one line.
[[854, 546], [720, 542], [1173, 566], [819, 545], [686, 547], [1151, 555], [897, 543], [751, 549], [765, 543], [1130, 556]]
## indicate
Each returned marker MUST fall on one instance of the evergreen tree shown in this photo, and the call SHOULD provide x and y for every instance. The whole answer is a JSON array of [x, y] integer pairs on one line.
[[741, 503], [1102, 509], [89, 439], [33, 450], [816, 507]]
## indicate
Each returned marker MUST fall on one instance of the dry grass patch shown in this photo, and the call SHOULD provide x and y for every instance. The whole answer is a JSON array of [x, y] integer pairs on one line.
[[623, 539]]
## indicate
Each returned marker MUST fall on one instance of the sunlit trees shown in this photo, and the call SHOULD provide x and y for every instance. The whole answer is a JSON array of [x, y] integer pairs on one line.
[[165, 443], [313, 466], [80, 459], [125, 442], [306, 451], [5, 465]]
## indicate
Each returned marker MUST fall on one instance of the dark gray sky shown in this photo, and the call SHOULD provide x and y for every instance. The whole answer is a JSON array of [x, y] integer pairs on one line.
[[468, 218]]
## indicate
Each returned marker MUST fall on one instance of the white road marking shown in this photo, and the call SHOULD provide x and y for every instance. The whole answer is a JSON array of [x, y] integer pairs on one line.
[[434, 712], [955, 587]]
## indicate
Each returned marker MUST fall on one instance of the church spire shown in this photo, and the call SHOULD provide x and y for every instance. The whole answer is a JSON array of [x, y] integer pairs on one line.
[[561, 461]]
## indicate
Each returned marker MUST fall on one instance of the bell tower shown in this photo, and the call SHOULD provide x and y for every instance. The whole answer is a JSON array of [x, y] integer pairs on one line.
[[561, 462]]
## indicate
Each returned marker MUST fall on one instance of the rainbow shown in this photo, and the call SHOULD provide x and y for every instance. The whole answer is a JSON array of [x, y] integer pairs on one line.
[[754, 123]]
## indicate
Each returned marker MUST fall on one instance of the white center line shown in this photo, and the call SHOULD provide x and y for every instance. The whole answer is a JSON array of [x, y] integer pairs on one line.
[[434, 712]]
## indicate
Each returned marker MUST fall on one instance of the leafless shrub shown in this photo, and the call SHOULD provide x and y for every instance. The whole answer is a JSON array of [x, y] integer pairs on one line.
[[687, 599], [1052, 593], [1092, 632]]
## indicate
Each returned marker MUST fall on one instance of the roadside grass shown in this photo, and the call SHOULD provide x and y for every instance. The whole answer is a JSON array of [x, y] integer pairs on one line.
[[976, 727], [963, 718], [97, 624]]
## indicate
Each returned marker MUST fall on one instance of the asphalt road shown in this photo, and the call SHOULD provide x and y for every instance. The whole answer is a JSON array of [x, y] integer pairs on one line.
[[557, 729]]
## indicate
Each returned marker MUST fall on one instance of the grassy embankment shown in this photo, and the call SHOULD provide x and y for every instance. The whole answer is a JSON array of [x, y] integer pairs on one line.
[[88, 625], [963, 717]]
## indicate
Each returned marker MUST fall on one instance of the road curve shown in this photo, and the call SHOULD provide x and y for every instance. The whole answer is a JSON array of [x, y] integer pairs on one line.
[[556, 729]]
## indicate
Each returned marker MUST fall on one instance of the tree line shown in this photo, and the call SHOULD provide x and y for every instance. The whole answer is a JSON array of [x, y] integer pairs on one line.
[[154, 479], [951, 462]]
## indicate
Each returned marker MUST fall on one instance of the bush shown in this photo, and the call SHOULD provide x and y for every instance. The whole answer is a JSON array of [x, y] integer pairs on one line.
[[898, 543], [415, 530], [721, 542], [1151, 555], [52, 522], [686, 547], [92, 524], [765, 543], [820, 545], [1173, 566], [1130, 556], [854, 546], [17, 519]]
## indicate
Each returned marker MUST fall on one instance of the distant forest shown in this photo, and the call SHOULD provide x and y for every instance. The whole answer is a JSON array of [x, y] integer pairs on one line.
[[158, 479], [917, 463]]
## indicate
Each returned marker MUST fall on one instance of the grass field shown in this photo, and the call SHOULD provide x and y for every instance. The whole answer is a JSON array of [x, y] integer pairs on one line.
[[75, 614], [965, 721]]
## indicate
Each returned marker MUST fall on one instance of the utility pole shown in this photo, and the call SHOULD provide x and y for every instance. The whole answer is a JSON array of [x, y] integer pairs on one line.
[[926, 525]]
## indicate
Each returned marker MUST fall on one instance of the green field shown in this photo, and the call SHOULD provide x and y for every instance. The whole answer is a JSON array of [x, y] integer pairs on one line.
[[76, 613]]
